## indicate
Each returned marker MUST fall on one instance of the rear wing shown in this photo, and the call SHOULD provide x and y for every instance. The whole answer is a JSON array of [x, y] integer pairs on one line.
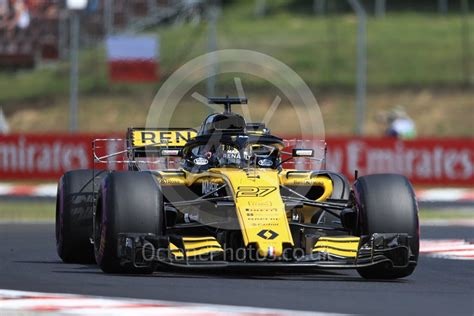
[[152, 148], [146, 142]]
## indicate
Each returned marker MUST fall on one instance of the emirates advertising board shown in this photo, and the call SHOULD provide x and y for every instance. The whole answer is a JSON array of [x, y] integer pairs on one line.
[[436, 162], [424, 161]]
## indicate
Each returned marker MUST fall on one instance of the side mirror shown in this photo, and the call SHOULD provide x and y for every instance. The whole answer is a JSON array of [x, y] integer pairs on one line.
[[260, 150], [300, 152], [257, 128], [171, 153]]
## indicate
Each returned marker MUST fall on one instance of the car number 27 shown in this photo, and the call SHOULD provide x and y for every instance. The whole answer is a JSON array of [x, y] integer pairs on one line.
[[250, 191]]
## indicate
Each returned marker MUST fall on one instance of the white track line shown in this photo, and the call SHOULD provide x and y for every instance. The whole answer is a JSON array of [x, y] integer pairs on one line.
[[447, 222], [66, 304], [444, 195], [448, 248]]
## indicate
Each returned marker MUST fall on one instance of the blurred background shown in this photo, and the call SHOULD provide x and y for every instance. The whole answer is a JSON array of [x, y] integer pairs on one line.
[[394, 79]]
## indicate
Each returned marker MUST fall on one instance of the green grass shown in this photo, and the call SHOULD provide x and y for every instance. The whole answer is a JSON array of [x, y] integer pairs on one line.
[[445, 214], [405, 49], [414, 59], [37, 211], [40, 211]]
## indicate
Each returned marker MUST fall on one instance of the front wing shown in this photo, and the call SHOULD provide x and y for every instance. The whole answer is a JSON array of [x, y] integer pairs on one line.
[[391, 249]]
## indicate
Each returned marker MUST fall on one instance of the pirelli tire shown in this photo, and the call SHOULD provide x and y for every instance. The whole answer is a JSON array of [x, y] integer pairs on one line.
[[74, 214], [387, 204], [129, 202]]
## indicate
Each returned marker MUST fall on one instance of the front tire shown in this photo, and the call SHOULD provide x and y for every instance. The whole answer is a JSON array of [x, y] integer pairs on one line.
[[387, 204], [129, 202]]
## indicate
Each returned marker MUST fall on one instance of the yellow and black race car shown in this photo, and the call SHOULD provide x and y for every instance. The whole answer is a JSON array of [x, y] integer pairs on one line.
[[230, 203]]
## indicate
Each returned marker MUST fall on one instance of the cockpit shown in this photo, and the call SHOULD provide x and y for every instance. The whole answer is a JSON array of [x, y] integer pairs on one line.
[[225, 140], [238, 155]]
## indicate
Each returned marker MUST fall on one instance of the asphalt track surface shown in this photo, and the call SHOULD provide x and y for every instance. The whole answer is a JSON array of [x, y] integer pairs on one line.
[[28, 261]]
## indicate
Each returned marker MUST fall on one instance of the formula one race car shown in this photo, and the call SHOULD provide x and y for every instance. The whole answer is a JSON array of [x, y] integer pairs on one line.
[[230, 202]]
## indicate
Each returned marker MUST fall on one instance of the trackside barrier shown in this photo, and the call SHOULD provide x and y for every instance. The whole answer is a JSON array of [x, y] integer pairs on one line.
[[46, 157], [437, 162]]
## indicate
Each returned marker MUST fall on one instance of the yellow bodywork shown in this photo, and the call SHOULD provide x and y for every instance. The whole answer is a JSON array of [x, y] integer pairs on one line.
[[196, 246], [260, 209], [307, 178], [343, 246]]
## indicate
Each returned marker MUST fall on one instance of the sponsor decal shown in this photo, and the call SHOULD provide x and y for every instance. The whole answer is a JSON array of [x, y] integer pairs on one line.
[[423, 161], [274, 209], [24, 156], [208, 187], [267, 234], [162, 138], [263, 216], [231, 154], [201, 161], [260, 203], [169, 181], [265, 163], [306, 182]]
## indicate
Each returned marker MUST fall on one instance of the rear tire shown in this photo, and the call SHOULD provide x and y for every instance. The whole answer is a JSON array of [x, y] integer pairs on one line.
[[129, 202], [387, 204], [74, 208]]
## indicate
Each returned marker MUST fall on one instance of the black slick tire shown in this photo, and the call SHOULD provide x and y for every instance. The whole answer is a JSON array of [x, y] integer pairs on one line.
[[74, 214], [129, 202], [387, 204]]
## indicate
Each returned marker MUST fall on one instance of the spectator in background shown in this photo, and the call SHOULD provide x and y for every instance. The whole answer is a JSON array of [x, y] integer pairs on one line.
[[52, 11], [92, 6], [399, 124], [4, 127], [17, 16], [3, 8], [22, 14], [4, 13], [36, 6]]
